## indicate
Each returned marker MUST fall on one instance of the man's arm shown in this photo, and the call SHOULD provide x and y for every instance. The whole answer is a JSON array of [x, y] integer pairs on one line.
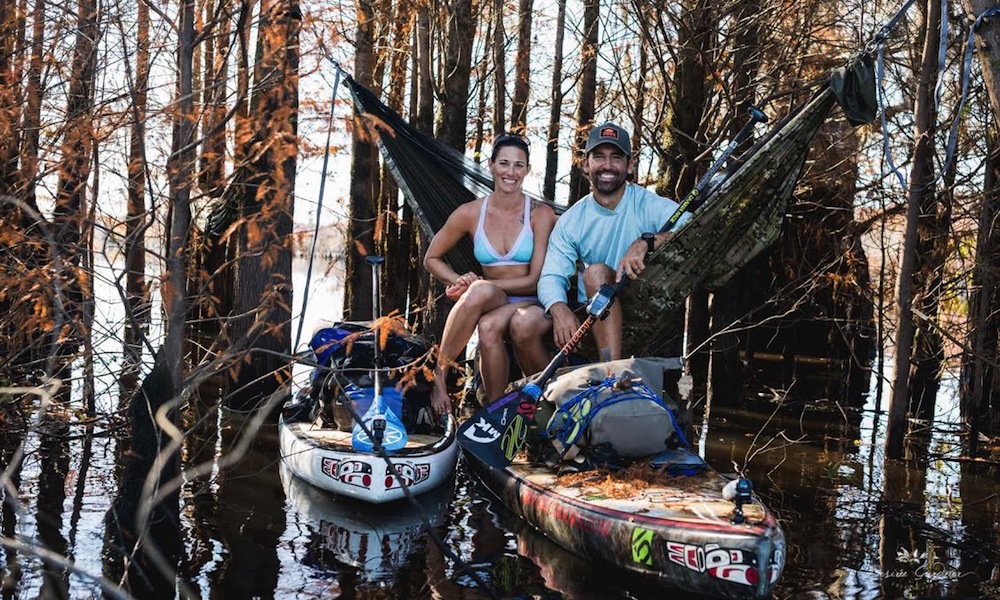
[[656, 212], [560, 263]]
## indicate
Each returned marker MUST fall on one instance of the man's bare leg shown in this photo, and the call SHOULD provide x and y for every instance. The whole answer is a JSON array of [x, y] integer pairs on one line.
[[607, 333]]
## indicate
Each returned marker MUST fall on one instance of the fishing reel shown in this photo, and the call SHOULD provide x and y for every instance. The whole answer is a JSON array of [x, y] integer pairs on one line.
[[600, 304]]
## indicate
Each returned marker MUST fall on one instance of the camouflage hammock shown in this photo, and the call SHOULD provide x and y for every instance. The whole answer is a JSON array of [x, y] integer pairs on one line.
[[738, 218]]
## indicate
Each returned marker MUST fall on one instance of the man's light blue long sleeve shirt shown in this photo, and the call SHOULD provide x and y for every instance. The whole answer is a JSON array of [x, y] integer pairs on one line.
[[593, 234]]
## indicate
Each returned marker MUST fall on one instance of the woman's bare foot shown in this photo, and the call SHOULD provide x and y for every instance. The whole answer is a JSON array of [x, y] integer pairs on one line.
[[440, 399]]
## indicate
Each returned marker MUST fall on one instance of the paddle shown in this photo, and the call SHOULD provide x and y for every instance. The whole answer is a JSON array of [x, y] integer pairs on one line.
[[495, 434], [378, 422], [756, 116]]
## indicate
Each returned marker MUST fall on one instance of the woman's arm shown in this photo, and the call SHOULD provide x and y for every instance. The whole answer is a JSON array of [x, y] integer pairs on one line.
[[543, 219], [459, 223]]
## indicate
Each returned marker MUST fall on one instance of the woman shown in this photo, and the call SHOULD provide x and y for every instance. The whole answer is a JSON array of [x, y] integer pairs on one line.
[[509, 234]]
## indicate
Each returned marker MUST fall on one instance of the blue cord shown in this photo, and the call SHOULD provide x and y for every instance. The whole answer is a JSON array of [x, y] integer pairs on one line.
[[319, 208]]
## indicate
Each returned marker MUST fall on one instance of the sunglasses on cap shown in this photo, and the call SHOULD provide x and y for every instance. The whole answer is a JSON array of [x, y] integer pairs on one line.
[[509, 139]]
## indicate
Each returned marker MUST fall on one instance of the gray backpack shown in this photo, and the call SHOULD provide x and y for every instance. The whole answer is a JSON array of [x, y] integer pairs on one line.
[[616, 405]]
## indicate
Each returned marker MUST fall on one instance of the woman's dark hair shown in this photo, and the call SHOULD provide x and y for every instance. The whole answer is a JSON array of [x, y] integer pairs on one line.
[[509, 139]]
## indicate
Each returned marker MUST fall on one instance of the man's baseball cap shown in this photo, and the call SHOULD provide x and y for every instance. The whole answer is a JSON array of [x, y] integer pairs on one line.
[[608, 133]]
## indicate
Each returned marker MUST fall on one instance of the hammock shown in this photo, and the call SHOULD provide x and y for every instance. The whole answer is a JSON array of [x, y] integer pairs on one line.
[[738, 218]]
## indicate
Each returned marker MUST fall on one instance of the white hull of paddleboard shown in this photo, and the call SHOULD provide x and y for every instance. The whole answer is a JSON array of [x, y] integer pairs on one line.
[[324, 458]]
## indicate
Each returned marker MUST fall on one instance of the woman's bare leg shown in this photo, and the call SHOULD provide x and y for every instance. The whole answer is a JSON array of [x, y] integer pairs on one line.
[[481, 297], [494, 363], [528, 327]]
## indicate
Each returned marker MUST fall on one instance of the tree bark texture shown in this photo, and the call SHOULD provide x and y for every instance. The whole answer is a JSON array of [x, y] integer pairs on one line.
[[725, 368], [364, 174], [920, 203], [980, 400], [586, 97], [78, 135], [457, 66], [499, 69], [395, 244], [981, 392], [10, 91], [555, 110], [696, 31], [136, 222], [522, 67]]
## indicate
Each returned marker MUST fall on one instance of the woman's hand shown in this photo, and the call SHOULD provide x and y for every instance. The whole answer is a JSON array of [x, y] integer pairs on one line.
[[455, 290]]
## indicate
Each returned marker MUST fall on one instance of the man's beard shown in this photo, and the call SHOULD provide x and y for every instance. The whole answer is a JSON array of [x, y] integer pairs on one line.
[[607, 187]]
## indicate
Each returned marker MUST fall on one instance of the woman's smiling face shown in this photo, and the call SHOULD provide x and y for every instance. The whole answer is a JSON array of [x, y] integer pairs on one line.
[[509, 168]]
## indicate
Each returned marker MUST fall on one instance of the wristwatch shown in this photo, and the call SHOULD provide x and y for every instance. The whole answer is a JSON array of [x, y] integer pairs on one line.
[[650, 241]]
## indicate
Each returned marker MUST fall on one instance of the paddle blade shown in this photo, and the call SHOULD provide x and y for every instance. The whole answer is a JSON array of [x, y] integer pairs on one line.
[[394, 435], [496, 433]]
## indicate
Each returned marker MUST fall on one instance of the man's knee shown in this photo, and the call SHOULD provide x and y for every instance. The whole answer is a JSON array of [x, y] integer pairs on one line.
[[596, 275]]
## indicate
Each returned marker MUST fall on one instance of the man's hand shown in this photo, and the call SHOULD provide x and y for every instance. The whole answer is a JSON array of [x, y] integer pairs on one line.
[[634, 261], [564, 323]]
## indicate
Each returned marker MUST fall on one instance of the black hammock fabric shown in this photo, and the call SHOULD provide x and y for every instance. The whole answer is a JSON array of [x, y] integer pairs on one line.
[[740, 215]]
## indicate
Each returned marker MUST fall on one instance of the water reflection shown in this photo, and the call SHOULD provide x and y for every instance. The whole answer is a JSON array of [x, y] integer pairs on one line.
[[376, 540], [858, 526]]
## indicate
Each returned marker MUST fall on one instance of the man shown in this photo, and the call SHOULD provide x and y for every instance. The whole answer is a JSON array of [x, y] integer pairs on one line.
[[604, 230]]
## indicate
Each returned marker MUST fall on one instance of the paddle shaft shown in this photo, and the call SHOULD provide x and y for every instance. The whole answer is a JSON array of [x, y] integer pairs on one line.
[[756, 116], [375, 262]]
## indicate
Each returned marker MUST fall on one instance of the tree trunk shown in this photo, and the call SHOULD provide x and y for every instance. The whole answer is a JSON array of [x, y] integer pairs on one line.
[[478, 134], [725, 369], [920, 196], [396, 243], [364, 165], [981, 396], [499, 69], [33, 106], [10, 104], [212, 162], [75, 165], [453, 116], [695, 31], [980, 401], [136, 298], [988, 45], [457, 69], [587, 96], [181, 172], [555, 110], [695, 39], [522, 67], [264, 269]]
